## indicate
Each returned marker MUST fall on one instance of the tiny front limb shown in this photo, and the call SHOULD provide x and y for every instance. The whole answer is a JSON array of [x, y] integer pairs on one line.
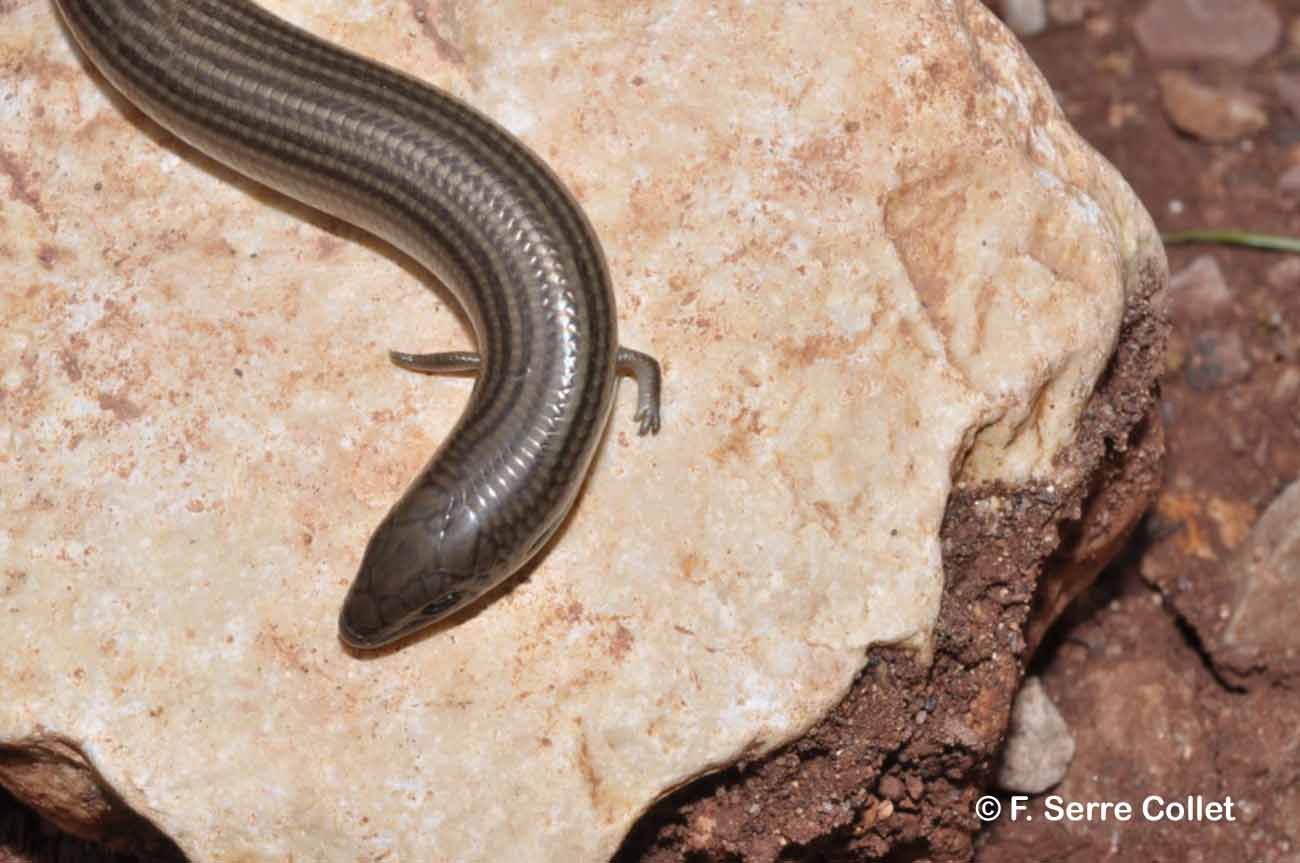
[[645, 369], [447, 362]]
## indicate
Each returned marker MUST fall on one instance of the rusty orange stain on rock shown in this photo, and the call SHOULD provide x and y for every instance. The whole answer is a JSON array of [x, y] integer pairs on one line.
[[745, 425], [1186, 510], [1233, 519], [620, 642], [688, 565], [827, 517], [20, 188], [122, 408], [587, 769]]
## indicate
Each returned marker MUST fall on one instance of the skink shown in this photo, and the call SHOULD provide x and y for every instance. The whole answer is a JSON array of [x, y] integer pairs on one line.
[[462, 196]]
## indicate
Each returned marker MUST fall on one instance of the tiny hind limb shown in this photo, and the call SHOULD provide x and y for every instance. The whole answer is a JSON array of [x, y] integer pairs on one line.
[[645, 369]]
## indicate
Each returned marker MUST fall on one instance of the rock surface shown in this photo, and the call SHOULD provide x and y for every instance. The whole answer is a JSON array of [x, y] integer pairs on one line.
[[870, 278]]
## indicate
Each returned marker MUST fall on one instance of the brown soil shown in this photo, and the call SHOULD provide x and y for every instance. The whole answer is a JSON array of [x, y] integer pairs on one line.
[[1151, 712], [894, 772]]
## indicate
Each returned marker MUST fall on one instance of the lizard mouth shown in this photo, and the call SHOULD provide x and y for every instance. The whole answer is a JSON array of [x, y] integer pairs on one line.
[[361, 625]]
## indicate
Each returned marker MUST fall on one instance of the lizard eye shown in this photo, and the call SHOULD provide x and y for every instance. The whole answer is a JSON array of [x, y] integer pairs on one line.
[[441, 604]]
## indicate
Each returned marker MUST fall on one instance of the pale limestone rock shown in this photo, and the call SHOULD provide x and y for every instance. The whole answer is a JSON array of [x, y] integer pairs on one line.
[[1039, 745], [1024, 17], [872, 254]]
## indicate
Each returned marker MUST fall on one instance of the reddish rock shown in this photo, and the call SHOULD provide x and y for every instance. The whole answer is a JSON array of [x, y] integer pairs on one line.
[[1200, 288], [1289, 183], [1070, 11], [1263, 633], [1285, 274], [1207, 112], [1237, 31], [1288, 91], [1218, 359]]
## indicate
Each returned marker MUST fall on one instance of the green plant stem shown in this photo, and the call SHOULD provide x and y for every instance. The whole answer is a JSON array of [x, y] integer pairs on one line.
[[1235, 238]]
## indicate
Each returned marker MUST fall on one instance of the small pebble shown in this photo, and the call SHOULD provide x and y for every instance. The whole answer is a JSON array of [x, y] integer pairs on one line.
[[1200, 288], [1039, 745], [1289, 183], [1209, 113], [1069, 11], [1024, 17], [1234, 31], [1287, 85], [1285, 274], [1217, 359]]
